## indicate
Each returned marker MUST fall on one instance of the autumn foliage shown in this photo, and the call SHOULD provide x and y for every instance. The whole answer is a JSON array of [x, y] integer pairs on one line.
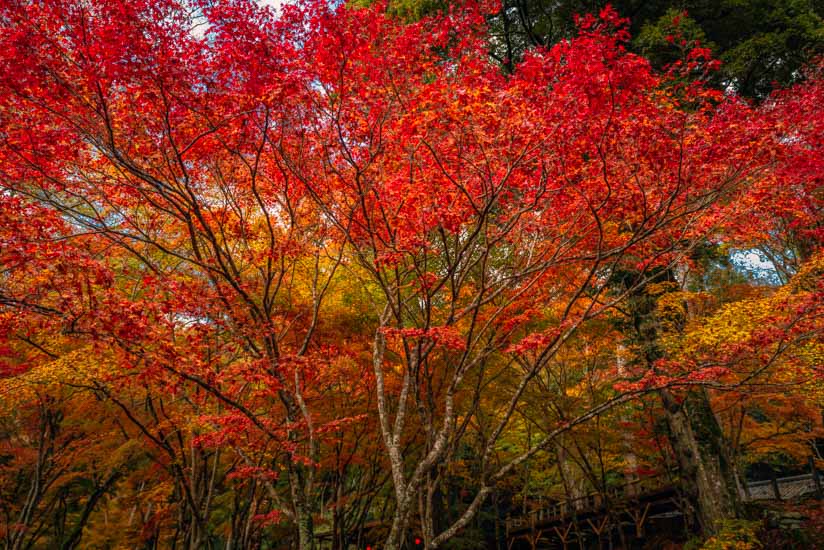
[[295, 276]]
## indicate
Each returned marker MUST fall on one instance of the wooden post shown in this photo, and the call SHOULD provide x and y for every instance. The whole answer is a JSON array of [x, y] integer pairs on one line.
[[639, 518], [816, 478], [564, 536], [747, 494], [776, 490], [598, 529]]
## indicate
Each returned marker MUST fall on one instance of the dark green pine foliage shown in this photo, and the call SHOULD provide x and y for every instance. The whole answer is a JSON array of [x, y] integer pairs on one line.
[[761, 43]]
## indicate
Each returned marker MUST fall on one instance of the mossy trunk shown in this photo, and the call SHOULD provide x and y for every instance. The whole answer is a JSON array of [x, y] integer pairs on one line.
[[698, 443]]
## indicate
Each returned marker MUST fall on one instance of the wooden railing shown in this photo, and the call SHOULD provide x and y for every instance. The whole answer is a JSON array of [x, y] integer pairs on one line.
[[784, 488], [559, 510]]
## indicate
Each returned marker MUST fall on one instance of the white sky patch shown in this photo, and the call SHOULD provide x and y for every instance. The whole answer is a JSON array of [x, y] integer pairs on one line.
[[201, 26], [274, 4], [754, 260], [755, 264]]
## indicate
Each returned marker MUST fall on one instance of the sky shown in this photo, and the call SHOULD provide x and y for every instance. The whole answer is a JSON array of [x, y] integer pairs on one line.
[[274, 3]]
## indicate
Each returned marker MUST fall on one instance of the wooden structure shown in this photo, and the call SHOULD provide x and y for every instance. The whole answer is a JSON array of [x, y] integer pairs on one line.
[[595, 514], [629, 507]]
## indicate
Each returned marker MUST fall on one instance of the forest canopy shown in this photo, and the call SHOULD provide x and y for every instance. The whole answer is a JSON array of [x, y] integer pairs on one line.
[[384, 275]]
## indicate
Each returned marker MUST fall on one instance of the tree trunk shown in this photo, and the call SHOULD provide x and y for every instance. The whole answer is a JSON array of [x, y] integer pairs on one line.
[[303, 515], [696, 439], [573, 481], [306, 539]]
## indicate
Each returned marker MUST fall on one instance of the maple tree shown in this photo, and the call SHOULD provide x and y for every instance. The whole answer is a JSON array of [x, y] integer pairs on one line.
[[316, 268]]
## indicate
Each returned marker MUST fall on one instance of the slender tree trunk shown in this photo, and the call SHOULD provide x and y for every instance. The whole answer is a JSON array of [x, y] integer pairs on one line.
[[303, 515], [630, 459], [573, 481]]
